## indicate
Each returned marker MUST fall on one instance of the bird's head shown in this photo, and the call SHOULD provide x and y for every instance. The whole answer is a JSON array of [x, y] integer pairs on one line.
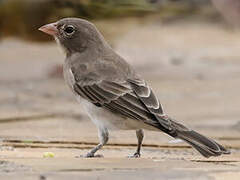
[[74, 34]]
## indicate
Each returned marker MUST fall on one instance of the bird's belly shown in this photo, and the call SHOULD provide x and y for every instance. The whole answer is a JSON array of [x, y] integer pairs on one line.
[[103, 118]]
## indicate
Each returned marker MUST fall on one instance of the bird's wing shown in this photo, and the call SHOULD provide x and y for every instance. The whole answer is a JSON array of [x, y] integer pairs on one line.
[[148, 99], [131, 98]]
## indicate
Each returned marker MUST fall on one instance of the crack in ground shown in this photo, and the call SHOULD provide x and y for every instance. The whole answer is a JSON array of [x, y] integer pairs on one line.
[[38, 117], [77, 144]]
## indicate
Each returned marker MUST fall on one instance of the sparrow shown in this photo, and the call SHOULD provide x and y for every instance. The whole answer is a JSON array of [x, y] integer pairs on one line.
[[112, 93]]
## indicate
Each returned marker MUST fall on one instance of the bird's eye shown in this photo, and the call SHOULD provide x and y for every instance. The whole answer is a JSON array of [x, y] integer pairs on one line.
[[69, 29]]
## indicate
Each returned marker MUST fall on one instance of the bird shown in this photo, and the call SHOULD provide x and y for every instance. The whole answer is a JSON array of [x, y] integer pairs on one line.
[[112, 93]]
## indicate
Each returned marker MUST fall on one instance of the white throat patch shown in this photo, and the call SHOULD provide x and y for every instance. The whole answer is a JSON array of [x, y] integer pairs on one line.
[[62, 49]]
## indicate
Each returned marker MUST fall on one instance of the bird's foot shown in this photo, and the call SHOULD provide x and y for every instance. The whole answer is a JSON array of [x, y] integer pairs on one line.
[[135, 155], [90, 155]]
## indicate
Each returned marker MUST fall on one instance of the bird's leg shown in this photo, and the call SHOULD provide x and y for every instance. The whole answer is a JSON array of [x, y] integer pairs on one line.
[[140, 135], [103, 136]]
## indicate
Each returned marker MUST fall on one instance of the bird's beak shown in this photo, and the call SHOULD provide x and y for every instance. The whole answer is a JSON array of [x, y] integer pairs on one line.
[[50, 29]]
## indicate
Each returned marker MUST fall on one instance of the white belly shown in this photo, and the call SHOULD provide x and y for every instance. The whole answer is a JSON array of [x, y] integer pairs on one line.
[[104, 118]]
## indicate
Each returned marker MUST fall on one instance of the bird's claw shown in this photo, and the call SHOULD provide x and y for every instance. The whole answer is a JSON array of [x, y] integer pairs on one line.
[[135, 155], [90, 155]]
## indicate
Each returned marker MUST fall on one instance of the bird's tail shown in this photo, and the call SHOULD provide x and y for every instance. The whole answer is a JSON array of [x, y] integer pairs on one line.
[[206, 146]]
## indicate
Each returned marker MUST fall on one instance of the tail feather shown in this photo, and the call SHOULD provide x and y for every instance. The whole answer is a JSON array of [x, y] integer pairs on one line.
[[206, 146]]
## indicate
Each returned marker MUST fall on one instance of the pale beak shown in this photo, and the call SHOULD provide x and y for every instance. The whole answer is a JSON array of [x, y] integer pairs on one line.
[[50, 29]]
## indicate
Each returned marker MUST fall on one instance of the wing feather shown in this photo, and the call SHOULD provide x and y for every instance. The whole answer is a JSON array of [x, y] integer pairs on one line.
[[151, 103], [132, 99], [145, 93]]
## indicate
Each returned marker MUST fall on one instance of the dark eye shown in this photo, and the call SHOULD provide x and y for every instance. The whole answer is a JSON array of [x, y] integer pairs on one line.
[[69, 29]]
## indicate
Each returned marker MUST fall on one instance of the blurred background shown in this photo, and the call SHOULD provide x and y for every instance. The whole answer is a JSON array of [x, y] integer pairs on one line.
[[188, 50]]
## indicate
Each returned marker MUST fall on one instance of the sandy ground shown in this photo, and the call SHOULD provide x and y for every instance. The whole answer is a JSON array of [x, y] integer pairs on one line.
[[192, 67]]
